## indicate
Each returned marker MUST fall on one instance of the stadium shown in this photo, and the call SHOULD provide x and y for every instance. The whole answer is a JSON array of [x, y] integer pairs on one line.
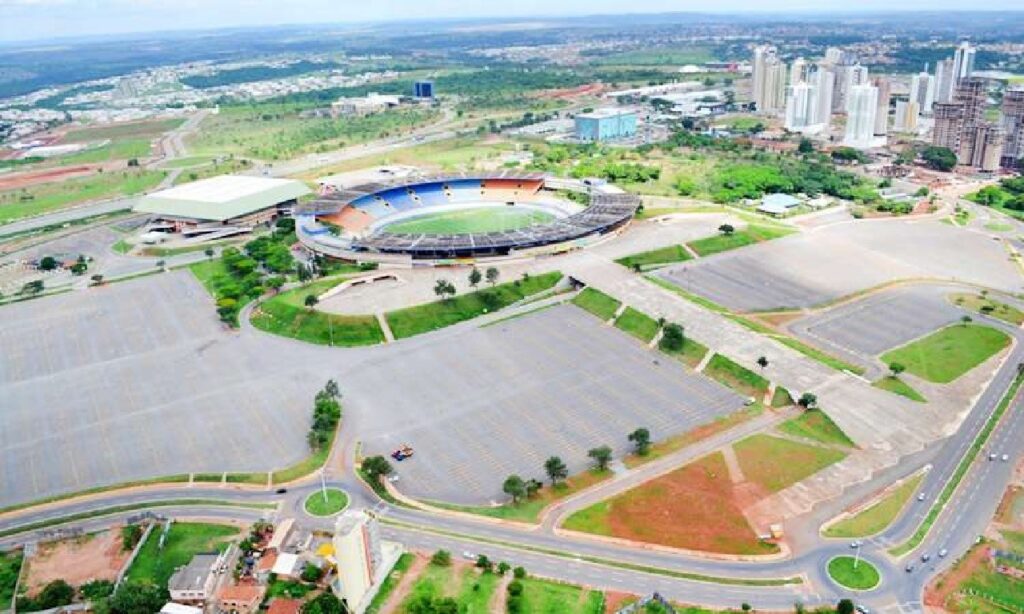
[[443, 219]]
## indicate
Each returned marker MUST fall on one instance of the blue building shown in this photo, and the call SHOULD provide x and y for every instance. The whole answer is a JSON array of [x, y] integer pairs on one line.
[[606, 124], [423, 89]]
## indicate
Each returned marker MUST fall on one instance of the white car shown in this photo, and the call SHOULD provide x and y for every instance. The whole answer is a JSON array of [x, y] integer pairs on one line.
[[943, 553], [920, 497], [469, 556], [1004, 457]]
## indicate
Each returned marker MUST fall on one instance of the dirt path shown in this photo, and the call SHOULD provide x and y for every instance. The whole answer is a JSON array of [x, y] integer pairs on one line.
[[405, 584], [499, 602], [733, 465]]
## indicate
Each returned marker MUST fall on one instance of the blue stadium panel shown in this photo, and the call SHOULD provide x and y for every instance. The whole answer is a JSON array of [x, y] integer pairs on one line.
[[465, 190], [371, 205], [399, 199], [431, 194]]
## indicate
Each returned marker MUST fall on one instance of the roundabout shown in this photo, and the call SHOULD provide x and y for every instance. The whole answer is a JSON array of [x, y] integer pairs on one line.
[[326, 502], [853, 573]]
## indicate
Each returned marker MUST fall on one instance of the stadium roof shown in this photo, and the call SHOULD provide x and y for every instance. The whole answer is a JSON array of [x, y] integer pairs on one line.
[[221, 198]]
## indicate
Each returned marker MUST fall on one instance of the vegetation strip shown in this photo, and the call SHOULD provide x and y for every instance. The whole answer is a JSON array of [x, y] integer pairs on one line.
[[961, 470], [127, 508], [684, 575], [874, 518]]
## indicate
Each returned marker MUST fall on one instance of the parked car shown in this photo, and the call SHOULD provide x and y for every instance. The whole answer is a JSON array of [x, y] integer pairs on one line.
[[943, 553], [402, 453], [856, 544]]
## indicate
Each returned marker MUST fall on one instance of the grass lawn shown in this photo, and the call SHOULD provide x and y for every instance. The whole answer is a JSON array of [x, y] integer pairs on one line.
[[439, 314], [143, 129], [116, 150], [477, 591], [863, 576], [597, 303], [818, 426], [207, 272], [900, 387], [230, 165], [692, 353], [288, 588], [640, 325], [466, 221], [435, 582], [547, 597], [948, 353], [989, 307], [280, 316], [184, 540], [693, 507], [47, 197], [775, 463], [188, 161], [753, 233], [10, 566], [336, 501], [879, 515], [655, 258], [735, 376], [529, 510], [781, 397], [677, 442], [122, 246], [388, 585]]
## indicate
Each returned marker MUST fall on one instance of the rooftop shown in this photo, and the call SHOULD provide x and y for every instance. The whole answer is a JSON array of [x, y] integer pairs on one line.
[[192, 577], [285, 564], [176, 608], [242, 592], [221, 198], [284, 606], [605, 112]]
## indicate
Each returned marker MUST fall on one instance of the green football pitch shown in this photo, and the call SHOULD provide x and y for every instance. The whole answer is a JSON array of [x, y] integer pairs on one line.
[[471, 220]]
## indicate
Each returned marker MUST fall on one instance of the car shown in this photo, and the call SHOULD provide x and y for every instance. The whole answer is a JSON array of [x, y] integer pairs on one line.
[[925, 557], [1004, 457], [863, 609], [943, 553], [281, 491], [992, 456], [402, 453], [909, 568], [920, 497], [469, 556], [856, 544]]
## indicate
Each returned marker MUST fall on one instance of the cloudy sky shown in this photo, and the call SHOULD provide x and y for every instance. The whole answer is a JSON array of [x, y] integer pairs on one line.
[[42, 19]]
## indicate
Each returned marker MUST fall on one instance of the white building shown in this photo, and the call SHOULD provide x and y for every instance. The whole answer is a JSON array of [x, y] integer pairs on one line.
[[860, 116], [882, 113], [905, 119], [362, 559], [823, 79], [945, 80], [769, 82], [802, 110], [853, 76], [963, 62], [922, 92], [798, 71]]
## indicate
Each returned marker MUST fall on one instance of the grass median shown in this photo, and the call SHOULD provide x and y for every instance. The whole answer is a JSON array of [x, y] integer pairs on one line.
[[876, 517], [948, 353], [597, 303], [855, 574]]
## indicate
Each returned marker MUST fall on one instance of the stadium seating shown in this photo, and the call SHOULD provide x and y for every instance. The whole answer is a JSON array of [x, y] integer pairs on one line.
[[464, 190], [398, 199], [373, 205], [511, 190], [350, 218], [431, 194]]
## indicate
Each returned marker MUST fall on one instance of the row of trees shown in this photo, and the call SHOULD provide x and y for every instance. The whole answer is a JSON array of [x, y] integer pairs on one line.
[[129, 598], [445, 289], [326, 415], [261, 266]]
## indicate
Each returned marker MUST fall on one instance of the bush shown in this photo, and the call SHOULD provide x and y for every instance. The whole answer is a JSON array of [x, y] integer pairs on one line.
[[441, 558], [130, 536], [96, 589]]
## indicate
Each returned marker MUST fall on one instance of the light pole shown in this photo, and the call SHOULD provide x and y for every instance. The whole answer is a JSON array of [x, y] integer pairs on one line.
[[856, 558], [323, 484]]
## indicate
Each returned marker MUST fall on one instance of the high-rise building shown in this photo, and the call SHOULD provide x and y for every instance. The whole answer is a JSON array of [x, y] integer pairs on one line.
[[963, 62], [1012, 124], [948, 123], [801, 109], [905, 119], [605, 124], [882, 113], [945, 80], [358, 555], [961, 127], [769, 80], [798, 71], [823, 79], [833, 55], [860, 116], [922, 91]]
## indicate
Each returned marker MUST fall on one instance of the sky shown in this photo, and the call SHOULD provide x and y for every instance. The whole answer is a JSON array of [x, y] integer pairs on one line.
[[42, 19]]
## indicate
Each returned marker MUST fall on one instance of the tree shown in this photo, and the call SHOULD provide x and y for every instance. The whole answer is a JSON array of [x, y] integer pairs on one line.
[[602, 455], [130, 536], [311, 573], [47, 263], [32, 287], [376, 467], [966, 319], [444, 288], [762, 361], [441, 558], [805, 146], [672, 338], [209, 252], [727, 229], [331, 389], [310, 301], [503, 568], [641, 439], [54, 594], [515, 487], [519, 572], [745, 607], [95, 590], [845, 606], [808, 400], [484, 563], [161, 264], [939, 158], [324, 603], [555, 469], [136, 598], [474, 277], [533, 485], [275, 282], [895, 369], [492, 275]]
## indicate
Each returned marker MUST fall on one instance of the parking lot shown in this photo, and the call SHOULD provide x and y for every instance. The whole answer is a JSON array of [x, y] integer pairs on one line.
[[501, 399], [821, 265], [873, 325], [137, 380]]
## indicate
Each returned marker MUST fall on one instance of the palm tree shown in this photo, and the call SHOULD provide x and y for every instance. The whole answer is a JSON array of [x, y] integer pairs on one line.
[[556, 469]]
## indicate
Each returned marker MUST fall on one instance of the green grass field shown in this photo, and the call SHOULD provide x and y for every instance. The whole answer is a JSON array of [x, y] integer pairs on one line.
[[876, 517], [597, 303], [946, 354], [116, 150], [753, 233], [47, 197], [781, 397], [10, 566], [816, 425], [900, 387], [989, 307], [184, 540], [473, 591], [336, 501], [470, 220], [691, 354], [775, 463], [735, 376], [851, 573], [281, 317], [189, 161], [439, 314], [388, 585], [655, 258], [133, 130], [640, 325], [548, 597]]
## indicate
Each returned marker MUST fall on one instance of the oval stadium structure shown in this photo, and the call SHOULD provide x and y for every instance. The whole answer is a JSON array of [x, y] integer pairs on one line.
[[447, 218]]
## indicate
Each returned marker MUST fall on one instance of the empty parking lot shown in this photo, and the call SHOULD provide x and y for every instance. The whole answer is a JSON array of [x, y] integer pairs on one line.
[[501, 399]]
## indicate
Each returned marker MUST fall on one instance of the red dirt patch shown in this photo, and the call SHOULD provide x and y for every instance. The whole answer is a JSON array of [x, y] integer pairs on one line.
[[404, 586], [939, 591], [91, 557], [17, 181], [694, 507], [614, 600]]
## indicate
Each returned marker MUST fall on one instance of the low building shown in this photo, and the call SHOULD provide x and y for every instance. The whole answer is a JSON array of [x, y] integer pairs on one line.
[[364, 105], [281, 605], [192, 584], [214, 205], [423, 89], [607, 124], [778, 204], [241, 598], [287, 566], [176, 608]]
